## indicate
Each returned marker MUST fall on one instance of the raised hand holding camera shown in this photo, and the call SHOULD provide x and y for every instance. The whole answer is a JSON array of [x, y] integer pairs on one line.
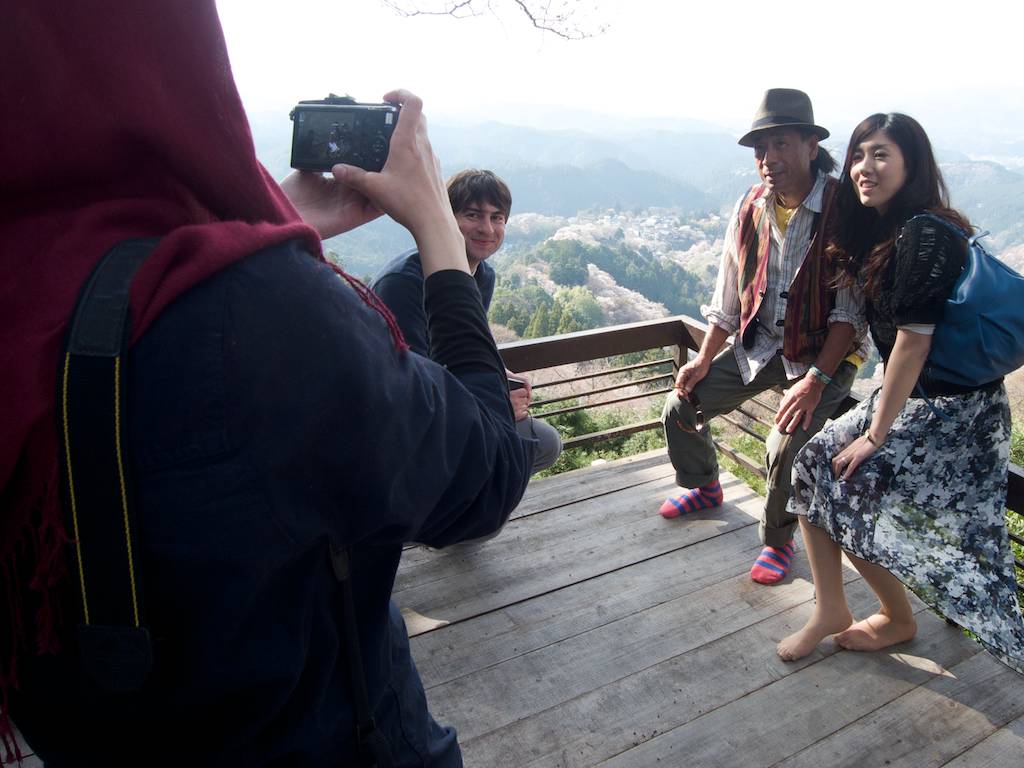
[[411, 190], [326, 204]]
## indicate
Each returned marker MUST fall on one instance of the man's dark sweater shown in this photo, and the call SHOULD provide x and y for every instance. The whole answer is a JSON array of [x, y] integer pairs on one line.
[[400, 286]]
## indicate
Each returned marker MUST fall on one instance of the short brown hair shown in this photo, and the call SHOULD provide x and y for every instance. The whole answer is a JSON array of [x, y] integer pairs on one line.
[[476, 186]]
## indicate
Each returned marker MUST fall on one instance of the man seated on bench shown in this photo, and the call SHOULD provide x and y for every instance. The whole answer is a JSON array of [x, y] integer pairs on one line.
[[482, 203], [793, 328]]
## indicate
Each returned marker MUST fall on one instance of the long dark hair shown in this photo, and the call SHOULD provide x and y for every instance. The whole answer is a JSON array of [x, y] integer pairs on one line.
[[861, 240], [823, 161]]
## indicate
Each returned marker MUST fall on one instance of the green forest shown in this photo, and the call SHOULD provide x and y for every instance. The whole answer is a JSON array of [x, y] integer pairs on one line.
[[521, 305]]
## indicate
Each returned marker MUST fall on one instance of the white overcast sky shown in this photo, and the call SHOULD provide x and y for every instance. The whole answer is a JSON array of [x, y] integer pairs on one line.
[[709, 60]]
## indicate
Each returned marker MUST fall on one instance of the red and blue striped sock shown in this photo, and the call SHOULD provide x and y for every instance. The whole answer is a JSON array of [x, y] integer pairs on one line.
[[773, 565], [705, 497]]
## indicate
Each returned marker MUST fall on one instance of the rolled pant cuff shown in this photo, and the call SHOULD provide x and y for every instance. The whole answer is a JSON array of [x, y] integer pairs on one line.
[[776, 537], [695, 481]]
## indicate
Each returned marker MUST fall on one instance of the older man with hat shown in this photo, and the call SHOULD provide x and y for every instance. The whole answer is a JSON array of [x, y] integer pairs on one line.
[[791, 327]]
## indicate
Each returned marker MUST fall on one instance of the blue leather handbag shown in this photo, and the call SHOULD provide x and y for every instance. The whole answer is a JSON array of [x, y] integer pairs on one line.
[[981, 336]]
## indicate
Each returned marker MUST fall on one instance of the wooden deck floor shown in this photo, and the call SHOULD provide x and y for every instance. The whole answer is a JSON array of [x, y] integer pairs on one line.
[[592, 632]]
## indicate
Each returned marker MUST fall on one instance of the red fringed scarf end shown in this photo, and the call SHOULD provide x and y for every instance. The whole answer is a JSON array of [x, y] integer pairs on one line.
[[373, 301], [36, 553]]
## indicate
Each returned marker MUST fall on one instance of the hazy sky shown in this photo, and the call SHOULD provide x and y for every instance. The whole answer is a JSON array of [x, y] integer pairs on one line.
[[940, 61]]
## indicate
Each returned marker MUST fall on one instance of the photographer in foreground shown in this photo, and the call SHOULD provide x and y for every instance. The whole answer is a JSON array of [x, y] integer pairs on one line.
[[273, 417]]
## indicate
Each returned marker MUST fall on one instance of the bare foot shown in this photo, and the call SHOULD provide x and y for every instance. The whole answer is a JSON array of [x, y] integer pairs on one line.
[[877, 632], [802, 642]]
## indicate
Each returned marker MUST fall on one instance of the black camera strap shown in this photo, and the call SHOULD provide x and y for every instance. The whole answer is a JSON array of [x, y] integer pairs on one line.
[[373, 748], [114, 644], [115, 647]]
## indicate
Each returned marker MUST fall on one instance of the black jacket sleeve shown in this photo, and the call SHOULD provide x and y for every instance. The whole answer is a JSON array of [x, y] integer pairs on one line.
[[927, 262], [378, 445]]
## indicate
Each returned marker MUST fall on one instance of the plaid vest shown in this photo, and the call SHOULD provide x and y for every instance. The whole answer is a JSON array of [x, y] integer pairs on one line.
[[811, 295]]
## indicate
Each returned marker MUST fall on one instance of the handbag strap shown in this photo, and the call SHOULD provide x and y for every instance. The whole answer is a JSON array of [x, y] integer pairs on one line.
[[928, 401], [114, 645]]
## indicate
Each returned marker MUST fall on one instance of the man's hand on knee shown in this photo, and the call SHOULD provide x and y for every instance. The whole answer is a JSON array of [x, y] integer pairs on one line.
[[798, 405], [691, 374]]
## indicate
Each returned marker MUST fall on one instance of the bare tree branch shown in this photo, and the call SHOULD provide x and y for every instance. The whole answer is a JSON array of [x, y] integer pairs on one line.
[[459, 9], [559, 17]]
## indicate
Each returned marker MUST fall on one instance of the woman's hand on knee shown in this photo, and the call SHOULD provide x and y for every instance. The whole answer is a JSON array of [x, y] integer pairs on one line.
[[852, 456]]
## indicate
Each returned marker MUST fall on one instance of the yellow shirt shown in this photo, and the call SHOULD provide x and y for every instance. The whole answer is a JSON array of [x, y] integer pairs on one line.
[[782, 216]]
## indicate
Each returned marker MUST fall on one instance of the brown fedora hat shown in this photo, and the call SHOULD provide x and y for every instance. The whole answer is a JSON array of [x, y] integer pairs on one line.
[[783, 108]]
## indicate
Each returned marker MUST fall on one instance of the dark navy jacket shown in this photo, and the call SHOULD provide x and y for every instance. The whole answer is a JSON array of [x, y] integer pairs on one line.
[[270, 416], [400, 284]]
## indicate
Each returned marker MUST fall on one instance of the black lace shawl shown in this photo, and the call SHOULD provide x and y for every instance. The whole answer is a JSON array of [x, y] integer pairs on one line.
[[926, 263]]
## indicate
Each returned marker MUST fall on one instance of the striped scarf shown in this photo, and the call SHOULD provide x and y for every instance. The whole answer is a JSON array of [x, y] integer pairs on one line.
[[811, 295]]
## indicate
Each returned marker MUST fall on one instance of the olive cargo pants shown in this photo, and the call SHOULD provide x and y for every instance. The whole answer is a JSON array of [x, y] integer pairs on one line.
[[693, 453]]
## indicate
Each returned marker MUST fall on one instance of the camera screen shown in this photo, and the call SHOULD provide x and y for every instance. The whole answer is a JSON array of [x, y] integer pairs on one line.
[[324, 137]]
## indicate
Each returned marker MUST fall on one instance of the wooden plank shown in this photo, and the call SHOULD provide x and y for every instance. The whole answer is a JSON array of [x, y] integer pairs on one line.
[[601, 390], [616, 717], [935, 722], [611, 434], [740, 426], [1002, 749], [582, 484], [29, 761], [569, 488], [666, 361], [775, 721], [545, 678], [469, 646], [601, 404], [541, 553], [764, 422], [599, 343], [740, 459]]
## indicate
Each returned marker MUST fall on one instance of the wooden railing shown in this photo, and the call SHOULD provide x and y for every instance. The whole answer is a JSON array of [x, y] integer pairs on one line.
[[679, 335]]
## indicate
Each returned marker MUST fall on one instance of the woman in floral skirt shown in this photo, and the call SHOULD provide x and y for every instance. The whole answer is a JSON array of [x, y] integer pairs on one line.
[[911, 484]]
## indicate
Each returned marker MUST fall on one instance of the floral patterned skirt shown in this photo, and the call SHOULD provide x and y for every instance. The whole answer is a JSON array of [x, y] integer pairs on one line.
[[929, 507]]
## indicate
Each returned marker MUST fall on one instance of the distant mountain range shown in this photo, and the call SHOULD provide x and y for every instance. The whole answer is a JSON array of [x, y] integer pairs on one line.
[[992, 196], [561, 172]]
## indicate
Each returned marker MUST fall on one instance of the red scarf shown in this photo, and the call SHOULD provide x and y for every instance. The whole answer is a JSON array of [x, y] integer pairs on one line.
[[121, 120]]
